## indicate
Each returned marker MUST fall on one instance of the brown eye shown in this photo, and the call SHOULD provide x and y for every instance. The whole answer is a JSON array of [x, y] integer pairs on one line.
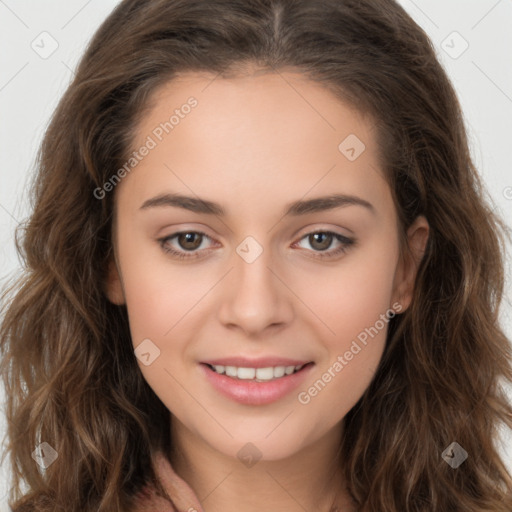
[[185, 244], [189, 241], [320, 241]]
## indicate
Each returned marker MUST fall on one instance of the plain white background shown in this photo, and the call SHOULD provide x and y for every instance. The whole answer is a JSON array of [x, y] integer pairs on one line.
[[41, 43]]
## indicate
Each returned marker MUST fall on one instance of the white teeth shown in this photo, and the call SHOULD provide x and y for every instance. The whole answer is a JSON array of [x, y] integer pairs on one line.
[[261, 374], [279, 371], [246, 373], [265, 373], [231, 371]]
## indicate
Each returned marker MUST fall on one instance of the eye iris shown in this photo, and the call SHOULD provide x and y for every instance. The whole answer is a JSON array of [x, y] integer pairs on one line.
[[313, 238], [185, 238]]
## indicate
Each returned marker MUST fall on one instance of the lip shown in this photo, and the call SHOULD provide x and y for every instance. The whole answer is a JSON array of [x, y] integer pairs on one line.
[[256, 393], [262, 362]]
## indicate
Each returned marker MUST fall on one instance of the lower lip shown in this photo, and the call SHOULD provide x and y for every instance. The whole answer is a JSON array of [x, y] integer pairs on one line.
[[250, 392]]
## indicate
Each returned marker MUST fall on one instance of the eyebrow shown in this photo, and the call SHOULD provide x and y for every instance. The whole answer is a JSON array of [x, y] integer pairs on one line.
[[300, 207]]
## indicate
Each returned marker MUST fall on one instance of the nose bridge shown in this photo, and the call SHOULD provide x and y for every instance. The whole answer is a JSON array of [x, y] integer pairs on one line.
[[256, 298]]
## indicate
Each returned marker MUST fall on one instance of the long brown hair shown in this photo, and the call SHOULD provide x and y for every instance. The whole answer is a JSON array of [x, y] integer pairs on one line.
[[68, 365]]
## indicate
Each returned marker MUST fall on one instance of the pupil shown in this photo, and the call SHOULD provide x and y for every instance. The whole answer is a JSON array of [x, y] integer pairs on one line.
[[188, 237], [327, 237]]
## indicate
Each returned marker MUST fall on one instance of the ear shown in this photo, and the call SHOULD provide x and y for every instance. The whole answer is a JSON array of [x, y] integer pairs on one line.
[[113, 285], [405, 275]]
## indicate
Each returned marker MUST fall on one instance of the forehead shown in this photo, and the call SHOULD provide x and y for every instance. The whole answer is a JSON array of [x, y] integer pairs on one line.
[[260, 101], [276, 134]]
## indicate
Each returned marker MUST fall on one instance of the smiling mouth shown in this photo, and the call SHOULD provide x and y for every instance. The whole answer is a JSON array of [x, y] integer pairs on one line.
[[267, 374]]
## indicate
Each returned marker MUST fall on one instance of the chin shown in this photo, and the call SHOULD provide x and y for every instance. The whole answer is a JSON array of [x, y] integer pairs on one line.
[[252, 449]]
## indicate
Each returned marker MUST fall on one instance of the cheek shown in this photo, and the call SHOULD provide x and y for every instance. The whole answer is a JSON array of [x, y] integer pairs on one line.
[[352, 296], [159, 294], [355, 303], [161, 298], [353, 355]]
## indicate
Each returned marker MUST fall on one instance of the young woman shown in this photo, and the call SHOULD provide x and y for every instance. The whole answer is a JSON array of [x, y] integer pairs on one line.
[[261, 273]]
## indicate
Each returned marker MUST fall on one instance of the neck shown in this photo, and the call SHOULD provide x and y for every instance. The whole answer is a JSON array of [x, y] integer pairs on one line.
[[310, 479]]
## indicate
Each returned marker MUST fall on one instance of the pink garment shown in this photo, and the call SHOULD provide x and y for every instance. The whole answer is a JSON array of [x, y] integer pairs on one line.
[[183, 497]]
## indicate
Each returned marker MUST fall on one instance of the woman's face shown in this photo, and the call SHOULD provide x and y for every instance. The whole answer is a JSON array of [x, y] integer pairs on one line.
[[263, 284]]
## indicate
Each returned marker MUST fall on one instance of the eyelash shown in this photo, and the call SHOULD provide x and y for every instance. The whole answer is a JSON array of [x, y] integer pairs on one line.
[[346, 243]]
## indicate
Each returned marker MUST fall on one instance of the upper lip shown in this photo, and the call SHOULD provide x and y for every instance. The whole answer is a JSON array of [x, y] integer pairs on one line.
[[261, 362]]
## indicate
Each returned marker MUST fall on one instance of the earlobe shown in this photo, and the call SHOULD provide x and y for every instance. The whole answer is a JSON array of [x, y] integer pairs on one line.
[[417, 238], [113, 286]]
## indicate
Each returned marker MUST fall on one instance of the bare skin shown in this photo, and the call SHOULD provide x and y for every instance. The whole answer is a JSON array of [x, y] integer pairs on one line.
[[254, 144]]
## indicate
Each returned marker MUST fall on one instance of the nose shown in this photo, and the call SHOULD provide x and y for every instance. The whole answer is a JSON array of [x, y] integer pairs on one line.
[[255, 297]]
